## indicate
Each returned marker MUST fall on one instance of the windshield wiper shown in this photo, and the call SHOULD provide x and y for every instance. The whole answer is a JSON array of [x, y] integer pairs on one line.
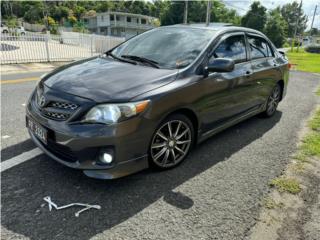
[[142, 59], [109, 53]]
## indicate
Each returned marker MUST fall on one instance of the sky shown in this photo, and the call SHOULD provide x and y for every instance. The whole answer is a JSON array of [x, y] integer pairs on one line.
[[241, 6]]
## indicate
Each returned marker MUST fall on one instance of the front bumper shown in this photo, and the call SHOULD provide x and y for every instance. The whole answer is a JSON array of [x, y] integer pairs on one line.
[[79, 145], [116, 171]]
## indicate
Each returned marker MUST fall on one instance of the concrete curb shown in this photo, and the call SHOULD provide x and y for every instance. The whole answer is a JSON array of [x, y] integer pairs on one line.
[[29, 67]]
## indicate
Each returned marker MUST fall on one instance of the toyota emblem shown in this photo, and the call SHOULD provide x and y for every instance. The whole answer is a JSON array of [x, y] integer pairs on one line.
[[42, 101]]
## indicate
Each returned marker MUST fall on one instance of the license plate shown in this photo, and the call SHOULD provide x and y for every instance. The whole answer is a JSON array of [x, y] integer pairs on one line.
[[39, 131]]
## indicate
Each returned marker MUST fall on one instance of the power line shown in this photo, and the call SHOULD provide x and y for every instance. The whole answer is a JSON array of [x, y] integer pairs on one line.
[[246, 10]]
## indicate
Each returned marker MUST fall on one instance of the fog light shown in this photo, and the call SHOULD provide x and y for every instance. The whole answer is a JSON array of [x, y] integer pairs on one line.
[[106, 158]]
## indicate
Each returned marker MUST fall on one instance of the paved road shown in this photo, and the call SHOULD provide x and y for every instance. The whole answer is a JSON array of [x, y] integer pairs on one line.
[[214, 194]]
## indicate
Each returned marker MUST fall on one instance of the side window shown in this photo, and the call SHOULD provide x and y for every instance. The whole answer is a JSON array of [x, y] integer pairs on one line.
[[233, 47], [270, 51], [259, 47]]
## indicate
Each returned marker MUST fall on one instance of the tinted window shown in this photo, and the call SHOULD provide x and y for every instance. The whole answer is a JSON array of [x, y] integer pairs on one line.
[[270, 51], [259, 48], [232, 47], [171, 47]]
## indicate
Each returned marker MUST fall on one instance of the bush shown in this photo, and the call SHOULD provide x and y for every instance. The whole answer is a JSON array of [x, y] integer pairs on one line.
[[313, 49], [286, 45]]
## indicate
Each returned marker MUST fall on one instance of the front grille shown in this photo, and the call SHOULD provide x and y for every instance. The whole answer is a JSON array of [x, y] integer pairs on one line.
[[63, 105], [55, 115], [55, 110]]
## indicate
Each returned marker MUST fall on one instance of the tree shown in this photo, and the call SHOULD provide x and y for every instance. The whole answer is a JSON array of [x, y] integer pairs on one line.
[[293, 13], [222, 14], [79, 11], [276, 27], [314, 31], [172, 13], [256, 17], [72, 19]]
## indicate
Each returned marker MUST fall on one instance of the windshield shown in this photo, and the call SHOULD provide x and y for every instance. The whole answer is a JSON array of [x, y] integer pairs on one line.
[[169, 47]]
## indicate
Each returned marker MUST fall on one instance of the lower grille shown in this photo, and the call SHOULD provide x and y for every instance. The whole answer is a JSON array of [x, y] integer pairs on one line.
[[61, 151]]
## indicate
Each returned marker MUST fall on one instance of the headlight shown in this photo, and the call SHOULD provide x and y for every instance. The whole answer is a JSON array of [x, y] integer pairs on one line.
[[113, 113]]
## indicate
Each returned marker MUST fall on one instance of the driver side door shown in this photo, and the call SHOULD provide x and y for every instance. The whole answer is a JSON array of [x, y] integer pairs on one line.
[[228, 94]]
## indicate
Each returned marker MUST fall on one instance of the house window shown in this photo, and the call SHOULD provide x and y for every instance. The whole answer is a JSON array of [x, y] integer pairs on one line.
[[118, 18], [143, 21], [128, 19], [101, 18], [111, 17]]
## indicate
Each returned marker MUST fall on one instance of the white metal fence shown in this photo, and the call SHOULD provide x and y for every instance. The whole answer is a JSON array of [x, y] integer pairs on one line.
[[36, 47]]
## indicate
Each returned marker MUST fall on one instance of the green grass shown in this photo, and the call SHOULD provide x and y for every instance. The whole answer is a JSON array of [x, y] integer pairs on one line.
[[272, 204], [310, 146], [314, 123], [304, 61], [289, 185]]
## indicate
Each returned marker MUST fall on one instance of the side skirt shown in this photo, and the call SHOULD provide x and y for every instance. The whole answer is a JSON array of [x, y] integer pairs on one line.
[[229, 123]]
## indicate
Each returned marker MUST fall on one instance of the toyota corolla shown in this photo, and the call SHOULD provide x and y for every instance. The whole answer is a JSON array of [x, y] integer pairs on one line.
[[148, 101]]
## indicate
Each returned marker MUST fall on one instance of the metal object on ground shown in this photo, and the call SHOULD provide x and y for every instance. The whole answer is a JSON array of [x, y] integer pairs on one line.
[[86, 206]]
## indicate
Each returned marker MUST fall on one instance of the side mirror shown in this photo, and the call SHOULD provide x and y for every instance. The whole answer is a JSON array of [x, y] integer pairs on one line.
[[220, 65], [282, 53]]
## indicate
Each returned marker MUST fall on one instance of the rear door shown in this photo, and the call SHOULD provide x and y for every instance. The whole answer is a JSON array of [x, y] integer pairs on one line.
[[265, 68]]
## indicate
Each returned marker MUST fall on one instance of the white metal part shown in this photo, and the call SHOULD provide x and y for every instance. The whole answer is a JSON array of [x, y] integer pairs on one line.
[[86, 206]]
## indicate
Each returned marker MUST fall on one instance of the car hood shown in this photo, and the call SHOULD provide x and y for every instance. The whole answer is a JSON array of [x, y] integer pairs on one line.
[[106, 80]]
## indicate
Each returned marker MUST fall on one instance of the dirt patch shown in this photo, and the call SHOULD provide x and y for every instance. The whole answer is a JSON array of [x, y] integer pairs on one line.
[[289, 216]]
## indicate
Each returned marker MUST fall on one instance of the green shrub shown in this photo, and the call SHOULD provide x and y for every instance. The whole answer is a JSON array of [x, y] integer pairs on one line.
[[313, 48], [286, 45]]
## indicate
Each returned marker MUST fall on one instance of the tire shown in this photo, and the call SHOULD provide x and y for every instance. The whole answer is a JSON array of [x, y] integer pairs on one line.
[[170, 146], [273, 101]]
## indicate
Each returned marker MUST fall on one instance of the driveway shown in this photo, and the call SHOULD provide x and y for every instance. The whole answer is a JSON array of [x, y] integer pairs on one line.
[[215, 194]]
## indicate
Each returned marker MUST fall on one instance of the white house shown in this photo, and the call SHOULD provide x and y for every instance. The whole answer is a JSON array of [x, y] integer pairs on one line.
[[119, 23]]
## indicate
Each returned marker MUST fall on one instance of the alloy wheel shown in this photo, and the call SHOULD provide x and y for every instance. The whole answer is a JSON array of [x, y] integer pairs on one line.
[[171, 143], [273, 100]]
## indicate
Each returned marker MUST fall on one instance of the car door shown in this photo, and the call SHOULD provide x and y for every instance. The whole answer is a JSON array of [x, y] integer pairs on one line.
[[265, 67], [227, 95]]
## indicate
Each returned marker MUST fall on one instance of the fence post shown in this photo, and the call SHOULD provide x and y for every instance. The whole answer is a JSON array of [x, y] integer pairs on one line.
[[91, 44], [47, 45]]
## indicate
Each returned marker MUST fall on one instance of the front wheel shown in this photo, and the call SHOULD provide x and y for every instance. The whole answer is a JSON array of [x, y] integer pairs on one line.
[[171, 142], [273, 101]]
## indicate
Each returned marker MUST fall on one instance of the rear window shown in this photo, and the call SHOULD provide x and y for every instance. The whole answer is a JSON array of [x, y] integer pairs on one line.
[[259, 47]]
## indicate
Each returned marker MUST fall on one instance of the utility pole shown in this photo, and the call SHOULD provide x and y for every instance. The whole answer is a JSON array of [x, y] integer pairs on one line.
[[314, 14], [208, 12], [185, 19], [296, 27]]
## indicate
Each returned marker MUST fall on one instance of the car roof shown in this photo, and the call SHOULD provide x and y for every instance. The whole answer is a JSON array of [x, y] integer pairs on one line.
[[218, 27]]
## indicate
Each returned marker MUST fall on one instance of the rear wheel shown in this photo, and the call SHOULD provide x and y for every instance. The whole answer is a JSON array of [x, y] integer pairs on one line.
[[273, 101], [171, 142]]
